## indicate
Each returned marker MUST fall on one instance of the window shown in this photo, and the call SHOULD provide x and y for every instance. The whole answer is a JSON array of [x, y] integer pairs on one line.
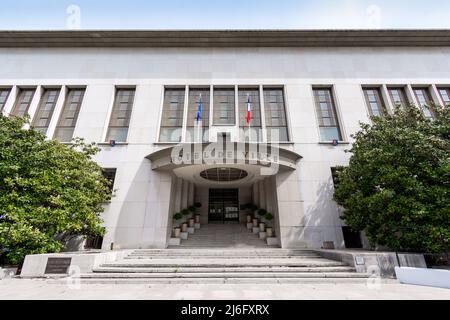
[[252, 132], [224, 101], [425, 101], [23, 102], [398, 96], [275, 114], [45, 110], [69, 115], [193, 129], [172, 115], [374, 102], [444, 92], [121, 114], [4, 93], [326, 113], [110, 174]]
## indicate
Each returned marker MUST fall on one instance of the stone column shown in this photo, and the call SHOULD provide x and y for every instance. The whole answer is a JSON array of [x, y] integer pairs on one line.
[[256, 194], [185, 195], [178, 194], [290, 210], [262, 195], [191, 194]]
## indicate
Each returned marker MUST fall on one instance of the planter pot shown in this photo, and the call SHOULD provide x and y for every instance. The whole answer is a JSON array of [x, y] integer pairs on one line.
[[176, 232], [255, 222], [423, 277], [197, 218], [184, 227], [191, 223], [262, 227], [269, 232], [249, 218]]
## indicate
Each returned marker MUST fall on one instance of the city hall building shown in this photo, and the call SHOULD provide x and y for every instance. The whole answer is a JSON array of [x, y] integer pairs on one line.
[[222, 118]]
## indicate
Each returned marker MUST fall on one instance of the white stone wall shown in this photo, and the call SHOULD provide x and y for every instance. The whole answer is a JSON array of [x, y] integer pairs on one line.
[[140, 215]]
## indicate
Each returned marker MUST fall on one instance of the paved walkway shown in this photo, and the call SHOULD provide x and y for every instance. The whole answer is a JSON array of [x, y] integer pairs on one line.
[[388, 289]]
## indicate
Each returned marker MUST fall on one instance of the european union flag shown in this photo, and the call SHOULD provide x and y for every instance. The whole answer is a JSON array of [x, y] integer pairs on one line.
[[199, 110]]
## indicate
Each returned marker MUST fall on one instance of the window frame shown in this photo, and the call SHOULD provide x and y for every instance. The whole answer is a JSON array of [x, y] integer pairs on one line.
[[336, 110], [378, 89], [447, 89], [37, 115], [242, 113], [161, 115], [8, 90], [264, 114], [193, 112], [404, 95], [115, 103], [214, 107], [17, 102], [69, 90], [428, 96]]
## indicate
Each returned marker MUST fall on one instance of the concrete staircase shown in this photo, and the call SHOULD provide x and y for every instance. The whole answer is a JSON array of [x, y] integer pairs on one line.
[[235, 236], [205, 266]]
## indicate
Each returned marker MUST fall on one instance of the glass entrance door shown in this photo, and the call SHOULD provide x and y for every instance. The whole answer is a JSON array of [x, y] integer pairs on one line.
[[223, 205]]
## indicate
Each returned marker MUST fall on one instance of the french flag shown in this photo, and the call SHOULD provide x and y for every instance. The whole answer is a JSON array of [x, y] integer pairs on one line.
[[199, 110], [248, 109]]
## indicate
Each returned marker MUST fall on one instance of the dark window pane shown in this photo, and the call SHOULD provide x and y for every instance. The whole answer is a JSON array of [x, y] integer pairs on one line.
[[120, 116], [275, 114], [45, 110], [172, 115]]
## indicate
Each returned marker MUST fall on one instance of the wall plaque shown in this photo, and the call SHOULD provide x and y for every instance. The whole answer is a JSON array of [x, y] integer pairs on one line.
[[58, 265]]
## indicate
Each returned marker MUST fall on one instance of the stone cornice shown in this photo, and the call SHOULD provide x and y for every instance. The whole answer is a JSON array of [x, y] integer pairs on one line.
[[223, 38]]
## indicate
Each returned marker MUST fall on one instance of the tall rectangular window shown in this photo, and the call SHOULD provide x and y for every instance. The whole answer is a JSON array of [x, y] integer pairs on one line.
[[198, 131], [398, 96], [252, 132], [425, 101], [172, 115], [45, 110], [327, 116], [445, 95], [374, 102], [275, 114], [23, 102], [69, 115], [121, 115], [224, 103], [4, 94]]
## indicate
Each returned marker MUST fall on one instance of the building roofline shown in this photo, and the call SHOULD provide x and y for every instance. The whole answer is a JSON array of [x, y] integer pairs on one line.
[[223, 38]]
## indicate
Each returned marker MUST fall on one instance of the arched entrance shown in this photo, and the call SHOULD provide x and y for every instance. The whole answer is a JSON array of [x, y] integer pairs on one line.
[[223, 178]]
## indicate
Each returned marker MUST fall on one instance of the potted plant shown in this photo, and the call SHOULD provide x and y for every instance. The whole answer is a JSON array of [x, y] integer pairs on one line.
[[177, 216], [247, 207], [184, 226], [261, 212], [197, 205], [191, 219], [269, 230], [253, 208]]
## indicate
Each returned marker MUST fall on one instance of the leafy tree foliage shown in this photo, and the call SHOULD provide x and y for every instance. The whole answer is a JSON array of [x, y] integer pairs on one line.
[[49, 192], [397, 185]]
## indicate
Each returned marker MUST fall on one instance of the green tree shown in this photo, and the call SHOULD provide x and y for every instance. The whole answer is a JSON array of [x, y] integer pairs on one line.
[[49, 192], [397, 185]]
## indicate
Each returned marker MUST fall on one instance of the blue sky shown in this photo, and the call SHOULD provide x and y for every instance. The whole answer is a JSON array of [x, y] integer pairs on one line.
[[223, 14]]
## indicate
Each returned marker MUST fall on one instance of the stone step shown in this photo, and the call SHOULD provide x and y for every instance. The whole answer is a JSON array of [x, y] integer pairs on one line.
[[141, 257], [230, 251], [136, 281], [175, 269], [227, 275], [223, 263]]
